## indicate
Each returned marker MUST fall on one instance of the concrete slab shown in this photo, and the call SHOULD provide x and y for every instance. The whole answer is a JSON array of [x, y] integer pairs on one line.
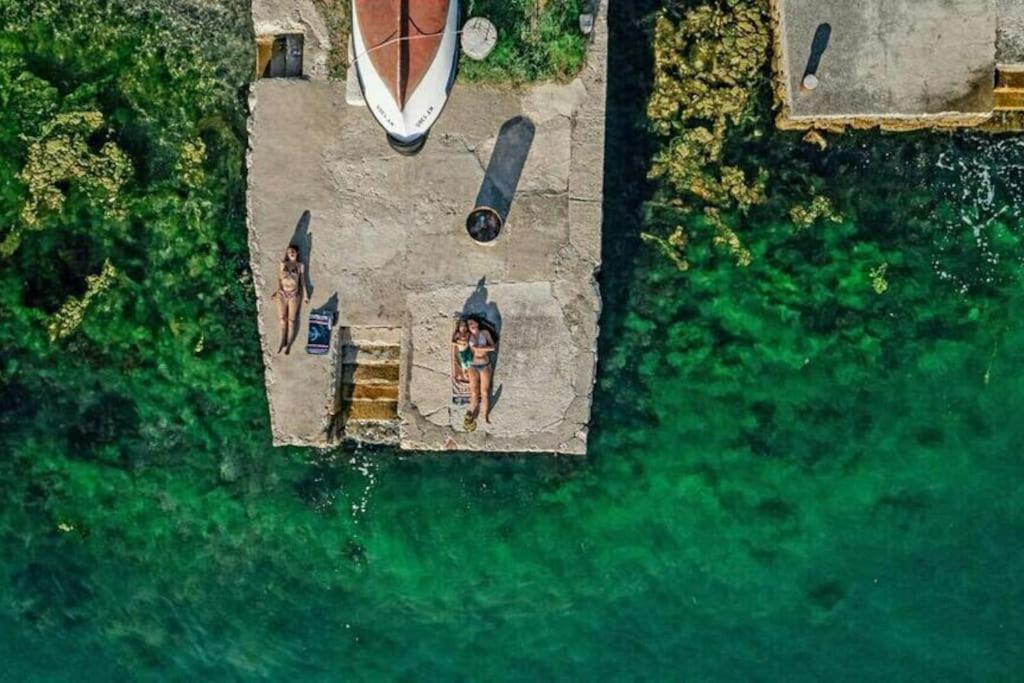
[[1010, 33], [384, 236], [889, 58], [534, 371]]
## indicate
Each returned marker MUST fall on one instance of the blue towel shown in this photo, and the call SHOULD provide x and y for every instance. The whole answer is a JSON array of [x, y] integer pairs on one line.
[[319, 341]]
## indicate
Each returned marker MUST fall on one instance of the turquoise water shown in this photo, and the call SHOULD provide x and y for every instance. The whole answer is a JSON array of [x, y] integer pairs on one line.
[[791, 476]]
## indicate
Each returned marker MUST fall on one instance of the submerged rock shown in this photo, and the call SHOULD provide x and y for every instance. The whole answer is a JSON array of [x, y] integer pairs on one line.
[[813, 137]]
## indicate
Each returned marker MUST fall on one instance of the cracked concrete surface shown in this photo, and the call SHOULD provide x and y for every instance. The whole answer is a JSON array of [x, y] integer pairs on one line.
[[1010, 35], [894, 59], [387, 236]]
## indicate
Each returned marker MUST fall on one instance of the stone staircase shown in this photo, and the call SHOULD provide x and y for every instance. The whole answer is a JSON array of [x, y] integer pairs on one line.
[[1009, 91], [367, 402]]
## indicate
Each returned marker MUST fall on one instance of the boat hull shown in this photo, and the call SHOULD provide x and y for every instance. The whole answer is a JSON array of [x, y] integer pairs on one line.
[[406, 54]]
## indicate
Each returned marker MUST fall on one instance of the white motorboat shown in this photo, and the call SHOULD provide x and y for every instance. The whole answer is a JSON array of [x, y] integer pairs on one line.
[[406, 54]]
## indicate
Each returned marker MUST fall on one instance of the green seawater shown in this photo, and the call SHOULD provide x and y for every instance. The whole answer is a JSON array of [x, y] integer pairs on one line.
[[791, 477]]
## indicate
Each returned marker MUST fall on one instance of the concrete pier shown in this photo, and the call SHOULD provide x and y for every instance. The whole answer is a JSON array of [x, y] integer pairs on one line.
[[895, 63], [385, 244]]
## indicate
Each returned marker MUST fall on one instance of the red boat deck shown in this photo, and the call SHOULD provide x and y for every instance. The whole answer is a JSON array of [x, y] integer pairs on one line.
[[402, 38]]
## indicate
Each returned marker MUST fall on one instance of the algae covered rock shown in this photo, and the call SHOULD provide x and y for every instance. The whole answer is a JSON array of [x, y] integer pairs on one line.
[[707, 65], [62, 157]]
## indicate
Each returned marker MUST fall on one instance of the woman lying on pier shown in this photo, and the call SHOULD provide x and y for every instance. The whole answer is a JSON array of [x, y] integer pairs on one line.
[[290, 278], [482, 344]]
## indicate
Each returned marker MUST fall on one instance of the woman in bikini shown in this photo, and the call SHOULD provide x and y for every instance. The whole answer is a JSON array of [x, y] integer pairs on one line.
[[290, 277], [481, 343], [462, 356]]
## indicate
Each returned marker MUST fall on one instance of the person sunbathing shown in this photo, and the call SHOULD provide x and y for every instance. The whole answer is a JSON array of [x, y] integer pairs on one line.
[[481, 343], [462, 356], [290, 278]]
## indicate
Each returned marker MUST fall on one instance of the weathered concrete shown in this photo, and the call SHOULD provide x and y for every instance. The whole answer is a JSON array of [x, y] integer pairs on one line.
[[388, 238], [898, 64], [1010, 34], [890, 57], [535, 371]]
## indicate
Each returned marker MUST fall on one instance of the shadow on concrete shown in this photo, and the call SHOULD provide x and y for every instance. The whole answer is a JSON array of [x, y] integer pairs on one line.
[[303, 239], [486, 313], [329, 307], [822, 34], [477, 306], [506, 165], [339, 412]]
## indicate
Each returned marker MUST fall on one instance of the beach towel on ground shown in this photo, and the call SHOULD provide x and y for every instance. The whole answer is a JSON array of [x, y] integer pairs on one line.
[[460, 390], [319, 341], [460, 386]]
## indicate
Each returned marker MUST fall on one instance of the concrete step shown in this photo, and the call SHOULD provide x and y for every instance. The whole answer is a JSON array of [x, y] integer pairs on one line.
[[361, 409], [370, 335], [1010, 76], [1008, 99], [384, 432], [369, 392], [367, 373], [370, 357], [370, 353]]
